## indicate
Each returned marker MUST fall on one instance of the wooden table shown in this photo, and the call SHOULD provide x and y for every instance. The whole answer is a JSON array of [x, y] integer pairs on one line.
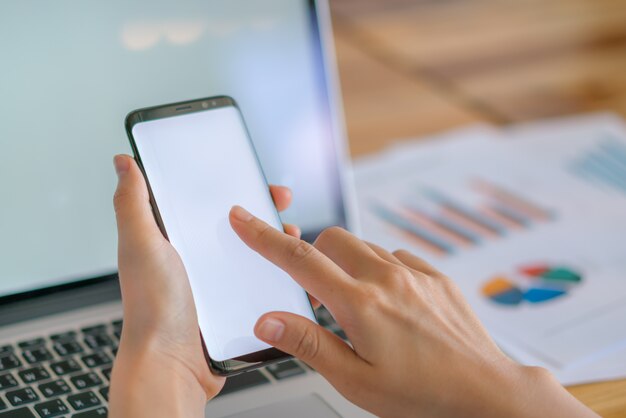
[[414, 67]]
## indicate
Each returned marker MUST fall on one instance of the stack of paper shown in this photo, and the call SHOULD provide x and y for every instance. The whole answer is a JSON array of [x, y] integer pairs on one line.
[[530, 221]]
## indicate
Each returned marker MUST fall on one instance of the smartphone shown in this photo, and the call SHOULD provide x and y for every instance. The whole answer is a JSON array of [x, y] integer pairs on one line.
[[198, 161]]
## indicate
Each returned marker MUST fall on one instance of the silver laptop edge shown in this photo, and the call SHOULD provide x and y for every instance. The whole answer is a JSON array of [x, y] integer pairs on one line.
[[338, 117]]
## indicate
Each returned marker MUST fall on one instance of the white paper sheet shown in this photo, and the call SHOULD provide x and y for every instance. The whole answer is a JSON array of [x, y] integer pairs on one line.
[[573, 222]]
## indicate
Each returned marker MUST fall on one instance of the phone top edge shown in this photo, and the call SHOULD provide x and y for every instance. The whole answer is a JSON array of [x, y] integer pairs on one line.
[[177, 108]]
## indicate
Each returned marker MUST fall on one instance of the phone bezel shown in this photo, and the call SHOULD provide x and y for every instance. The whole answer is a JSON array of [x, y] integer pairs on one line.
[[253, 360]]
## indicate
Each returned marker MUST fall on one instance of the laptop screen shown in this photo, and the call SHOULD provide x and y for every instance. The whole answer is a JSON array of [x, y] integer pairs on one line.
[[73, 69]]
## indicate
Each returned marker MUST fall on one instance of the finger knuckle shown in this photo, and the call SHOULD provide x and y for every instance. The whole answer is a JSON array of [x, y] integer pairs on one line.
[[119, 200], [397, 273], [264, 232], [329, 235], [407, 256], [373, 301], [300, 250], [307, 345], [401, 252], [371, 294], [448, 284]]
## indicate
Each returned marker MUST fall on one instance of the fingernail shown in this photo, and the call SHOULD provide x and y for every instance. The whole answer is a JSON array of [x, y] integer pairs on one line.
[[241, 214], [271, 330], [121, 164]]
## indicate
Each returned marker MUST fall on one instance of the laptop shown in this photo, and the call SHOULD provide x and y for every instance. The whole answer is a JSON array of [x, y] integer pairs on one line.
[[70, 73]]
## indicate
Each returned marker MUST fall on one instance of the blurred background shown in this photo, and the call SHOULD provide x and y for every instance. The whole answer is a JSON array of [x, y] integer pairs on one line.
[[411, 68], [455, 62]]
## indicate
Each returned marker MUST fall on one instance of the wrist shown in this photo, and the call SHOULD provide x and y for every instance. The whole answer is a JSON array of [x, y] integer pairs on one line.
[[146, 381], [549, 397], [506, 388], [526, 391]]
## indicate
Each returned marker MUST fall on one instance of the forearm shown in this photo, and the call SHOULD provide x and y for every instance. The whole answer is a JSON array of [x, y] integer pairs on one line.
[[144, 383]]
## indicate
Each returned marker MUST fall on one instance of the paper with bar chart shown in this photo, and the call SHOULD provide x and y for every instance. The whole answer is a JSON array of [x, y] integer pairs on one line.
[[441, 204], [441, 223], [530, 229]]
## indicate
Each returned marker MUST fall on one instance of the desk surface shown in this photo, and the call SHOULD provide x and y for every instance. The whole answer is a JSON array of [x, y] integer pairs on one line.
[[415, 67]]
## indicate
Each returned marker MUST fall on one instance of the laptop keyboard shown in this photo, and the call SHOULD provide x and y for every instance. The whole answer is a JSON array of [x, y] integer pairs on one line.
[[67, 374]]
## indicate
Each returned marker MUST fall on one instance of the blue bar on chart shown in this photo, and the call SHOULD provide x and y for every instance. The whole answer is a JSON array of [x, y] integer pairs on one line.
[[468, 214], [424, 237], [509, 214], [430, 213]]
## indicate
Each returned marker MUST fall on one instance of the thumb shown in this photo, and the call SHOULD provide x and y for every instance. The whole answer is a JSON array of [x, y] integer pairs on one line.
[[135, 222], [308, 341]]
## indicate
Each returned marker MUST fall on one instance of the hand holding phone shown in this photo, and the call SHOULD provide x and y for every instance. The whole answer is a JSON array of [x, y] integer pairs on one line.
[[198, 161], [160, 365]]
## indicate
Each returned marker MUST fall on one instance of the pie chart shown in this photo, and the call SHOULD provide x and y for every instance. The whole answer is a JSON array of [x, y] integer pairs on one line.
[[532, 284]]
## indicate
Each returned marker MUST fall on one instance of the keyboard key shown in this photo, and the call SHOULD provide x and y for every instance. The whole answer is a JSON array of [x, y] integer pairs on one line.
[[94, 413], [118, 333], [8, 362], [52, 408], [107, 372], [117, 324], [285, 369], [83, 400], [5, 349], [37, 354], [35, 342], [86, 380], [66, 348], [22, 396], [34, 374], [3, 405], [96, 359], [97, 341], [55, 388], [65, 367], [18, 413], [7, 381], [64, 336], [243, 381], [105, 393], [95, 329]]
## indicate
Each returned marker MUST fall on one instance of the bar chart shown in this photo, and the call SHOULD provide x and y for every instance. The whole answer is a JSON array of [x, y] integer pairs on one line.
[[442, 223]]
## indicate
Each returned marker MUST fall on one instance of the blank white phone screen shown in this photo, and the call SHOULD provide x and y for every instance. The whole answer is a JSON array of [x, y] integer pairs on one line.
[[199, 165]]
